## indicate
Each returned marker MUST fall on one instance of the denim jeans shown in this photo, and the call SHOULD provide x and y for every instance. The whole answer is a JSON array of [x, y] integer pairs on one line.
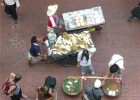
[[85, 68], [57, 23]]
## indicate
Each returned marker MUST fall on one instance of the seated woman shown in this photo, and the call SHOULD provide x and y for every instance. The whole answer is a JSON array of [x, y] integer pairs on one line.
[[44, 93]]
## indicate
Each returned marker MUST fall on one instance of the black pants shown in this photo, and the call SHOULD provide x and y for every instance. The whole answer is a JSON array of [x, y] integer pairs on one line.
[[18, 96], [11, 10]]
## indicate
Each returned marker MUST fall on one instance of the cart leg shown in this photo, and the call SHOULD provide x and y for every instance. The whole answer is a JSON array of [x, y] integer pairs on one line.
[[69, 62]]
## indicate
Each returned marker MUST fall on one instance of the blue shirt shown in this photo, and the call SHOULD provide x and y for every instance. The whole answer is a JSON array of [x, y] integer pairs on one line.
[[34, 50]]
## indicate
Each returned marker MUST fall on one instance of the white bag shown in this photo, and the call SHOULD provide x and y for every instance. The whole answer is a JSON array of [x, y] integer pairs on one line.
[[17, 3]]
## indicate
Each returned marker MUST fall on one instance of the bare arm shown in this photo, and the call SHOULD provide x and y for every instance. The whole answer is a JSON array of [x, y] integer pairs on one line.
[[36, 96], [107, 73], [78, 64], [12, 76], [51, 93], [57, 26], [11, 90], [42, 55]]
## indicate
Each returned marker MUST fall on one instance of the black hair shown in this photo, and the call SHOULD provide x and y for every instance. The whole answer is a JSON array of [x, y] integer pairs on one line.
[[33, 39], [86, 54], [45, 38], [139, 4], [114, 68], [17, 78]]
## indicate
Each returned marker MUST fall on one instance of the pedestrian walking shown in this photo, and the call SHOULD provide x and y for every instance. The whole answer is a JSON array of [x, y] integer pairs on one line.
[[34, 54], [84, 60], [53, 20], [12, 87], [10, 8], [135, 13]]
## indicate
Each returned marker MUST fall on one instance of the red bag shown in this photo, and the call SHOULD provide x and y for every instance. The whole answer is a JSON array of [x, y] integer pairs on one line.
[[6, 86]]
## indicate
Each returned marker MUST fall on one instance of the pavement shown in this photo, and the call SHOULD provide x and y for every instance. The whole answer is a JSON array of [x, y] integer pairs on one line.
[[118, 36]]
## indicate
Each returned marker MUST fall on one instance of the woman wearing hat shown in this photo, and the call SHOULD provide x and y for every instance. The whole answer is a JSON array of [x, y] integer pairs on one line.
[[53, 20]]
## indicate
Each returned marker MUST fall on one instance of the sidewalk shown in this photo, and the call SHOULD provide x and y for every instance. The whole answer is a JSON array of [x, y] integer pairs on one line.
[[117, 36]]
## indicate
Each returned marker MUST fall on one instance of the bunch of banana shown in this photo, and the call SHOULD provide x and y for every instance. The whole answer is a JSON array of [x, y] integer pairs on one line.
[[71, 43]]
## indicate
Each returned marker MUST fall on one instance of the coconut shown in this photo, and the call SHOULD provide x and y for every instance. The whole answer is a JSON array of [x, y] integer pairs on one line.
[[65, 35], [74, 48]]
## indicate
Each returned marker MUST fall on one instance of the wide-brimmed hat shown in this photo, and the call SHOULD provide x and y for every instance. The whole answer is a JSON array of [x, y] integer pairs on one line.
[[97, 83], [52, 9]]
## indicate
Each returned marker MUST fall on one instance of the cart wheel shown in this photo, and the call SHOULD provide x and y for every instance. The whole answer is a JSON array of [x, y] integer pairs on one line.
[[49, 60], [69, 62]]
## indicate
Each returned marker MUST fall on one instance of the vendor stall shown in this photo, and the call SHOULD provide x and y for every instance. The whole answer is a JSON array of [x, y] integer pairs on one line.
[[67, 47], [83, 18]]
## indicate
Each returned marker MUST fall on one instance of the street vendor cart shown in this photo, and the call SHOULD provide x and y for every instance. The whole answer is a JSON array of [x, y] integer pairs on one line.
[[83, 18], [67, 46]]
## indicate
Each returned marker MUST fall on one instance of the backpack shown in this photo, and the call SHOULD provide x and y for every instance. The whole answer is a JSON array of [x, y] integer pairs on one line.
[[50, 82], [136, 12], [89, 92], [6, 86], [92, 93]]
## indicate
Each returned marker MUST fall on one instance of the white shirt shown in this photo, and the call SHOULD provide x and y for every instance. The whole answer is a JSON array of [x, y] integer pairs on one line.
[[84, 62], [117, 59], [47, 45], [37, 45], [9, 2]]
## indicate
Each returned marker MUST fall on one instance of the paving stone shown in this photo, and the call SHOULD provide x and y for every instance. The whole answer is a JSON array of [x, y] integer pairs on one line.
[[117, 36]]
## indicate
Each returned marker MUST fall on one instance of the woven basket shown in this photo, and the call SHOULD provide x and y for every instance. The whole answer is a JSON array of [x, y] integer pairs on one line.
[[70, 92], [106, 88]]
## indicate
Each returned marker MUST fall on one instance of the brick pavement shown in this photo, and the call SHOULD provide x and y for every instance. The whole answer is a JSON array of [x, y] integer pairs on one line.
[[117, 36]]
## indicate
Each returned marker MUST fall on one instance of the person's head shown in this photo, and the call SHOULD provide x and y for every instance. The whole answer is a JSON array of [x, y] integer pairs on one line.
[[97, 83], [17, 78], [139, 4], [114, 68], [35, 39], [85, 53]]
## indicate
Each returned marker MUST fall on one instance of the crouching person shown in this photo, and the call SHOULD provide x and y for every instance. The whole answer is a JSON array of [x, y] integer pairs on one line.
[[34, 54], [47, 91], [94, 92]]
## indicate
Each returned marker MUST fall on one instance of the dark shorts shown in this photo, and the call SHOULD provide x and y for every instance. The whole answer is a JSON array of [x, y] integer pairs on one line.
[[17, 97]]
